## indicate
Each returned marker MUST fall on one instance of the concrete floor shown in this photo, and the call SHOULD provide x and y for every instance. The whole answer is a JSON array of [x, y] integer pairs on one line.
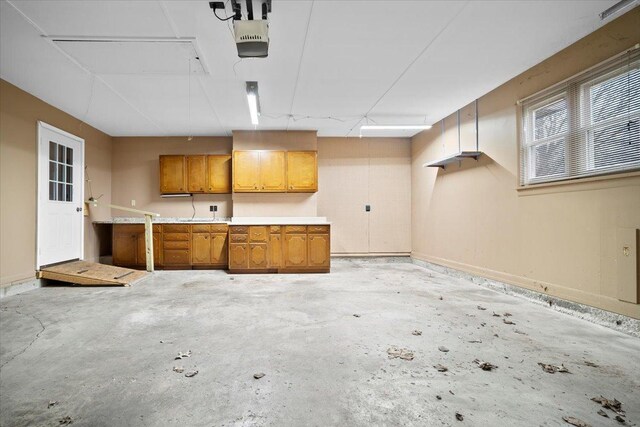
[[106, 355]]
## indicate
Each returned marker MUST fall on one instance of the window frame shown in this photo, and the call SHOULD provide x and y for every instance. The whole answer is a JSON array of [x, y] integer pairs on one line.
[[578, 138]]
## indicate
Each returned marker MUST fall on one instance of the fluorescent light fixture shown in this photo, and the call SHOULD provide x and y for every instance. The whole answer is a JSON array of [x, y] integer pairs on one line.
[[166, 196], [254, 102], [395, 127], [616, 8]]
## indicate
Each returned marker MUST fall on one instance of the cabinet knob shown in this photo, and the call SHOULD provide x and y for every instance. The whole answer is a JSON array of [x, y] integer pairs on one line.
[[200, 188], [291, 187]]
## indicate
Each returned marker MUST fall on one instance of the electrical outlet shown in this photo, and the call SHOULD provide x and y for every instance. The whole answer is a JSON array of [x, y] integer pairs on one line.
[[210, 208], [133, 202], [215, 208], [367, 208]]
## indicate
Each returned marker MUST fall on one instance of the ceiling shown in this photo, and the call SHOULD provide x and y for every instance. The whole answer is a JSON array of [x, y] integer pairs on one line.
[[332, 65]]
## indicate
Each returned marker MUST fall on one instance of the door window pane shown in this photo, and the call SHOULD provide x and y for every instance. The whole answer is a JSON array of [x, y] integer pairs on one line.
[[61, 169], [69, 193], [61, 153], [53, 171], [69, 155], [60, 191], [69, 174], [53, 151], [52, 190]]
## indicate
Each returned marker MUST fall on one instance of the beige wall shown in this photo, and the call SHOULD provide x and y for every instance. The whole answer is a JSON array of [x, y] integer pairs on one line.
[[19, 114], [136, 175], [560, 239], [275, 204], [354, 172]]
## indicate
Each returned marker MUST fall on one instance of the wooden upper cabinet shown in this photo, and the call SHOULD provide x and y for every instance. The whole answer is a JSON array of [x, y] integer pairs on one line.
[[272, 171], [302, 171], [246, 171], [173, 174], [219, 173], [197, 174]]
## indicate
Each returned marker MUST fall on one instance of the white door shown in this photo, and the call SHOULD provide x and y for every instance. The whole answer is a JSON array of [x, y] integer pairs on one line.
[[60, 191]]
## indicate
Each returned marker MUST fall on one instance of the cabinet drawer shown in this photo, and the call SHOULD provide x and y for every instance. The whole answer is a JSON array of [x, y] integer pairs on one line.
[[175, 228], [258, 233], [176, 244], [219, 228], [239, 238], [295, 229], [175, 236], [176, 256], [238, 229], [318, 229], [200, 228], [275, 228]]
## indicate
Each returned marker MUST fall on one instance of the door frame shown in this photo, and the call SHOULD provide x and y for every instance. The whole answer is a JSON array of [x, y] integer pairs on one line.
[[40, 190]]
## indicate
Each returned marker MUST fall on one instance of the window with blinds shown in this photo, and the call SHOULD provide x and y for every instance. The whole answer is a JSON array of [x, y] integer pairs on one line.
[[587, 125]]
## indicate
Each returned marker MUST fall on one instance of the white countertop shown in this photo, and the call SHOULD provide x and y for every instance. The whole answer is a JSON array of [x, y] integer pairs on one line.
[[163, 220], [247, 220], [279, 220]]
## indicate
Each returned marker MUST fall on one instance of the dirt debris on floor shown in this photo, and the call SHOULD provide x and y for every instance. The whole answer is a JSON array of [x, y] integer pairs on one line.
[[575, 422], [552, 369], [258, 375], [402, 353], [416, 332], [485, 366], [182, 355]]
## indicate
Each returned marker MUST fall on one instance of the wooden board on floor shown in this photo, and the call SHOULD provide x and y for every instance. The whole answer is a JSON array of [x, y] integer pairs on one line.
[[92, 274]]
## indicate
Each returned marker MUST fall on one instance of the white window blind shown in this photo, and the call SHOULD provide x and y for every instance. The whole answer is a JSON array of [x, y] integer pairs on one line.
[[587, 125]]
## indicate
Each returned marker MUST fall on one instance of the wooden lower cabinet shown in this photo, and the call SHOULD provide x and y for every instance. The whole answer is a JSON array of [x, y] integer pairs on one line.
[[256, 248], [129, 248], [238, 256], [318, 250], [219, 243], [209, 249], [295, 250], [275, 250], [257, 255]]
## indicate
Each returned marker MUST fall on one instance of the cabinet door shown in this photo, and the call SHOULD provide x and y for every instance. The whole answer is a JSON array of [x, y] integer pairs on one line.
[[219, 248], [319, 253], [200, 249], [173, 174], [219, 174], [238, 256], [275, 251], [295, 250], [142, 250], [246, 171], [272, 171], [125, 248], [197, 174], [257, 255], [302, 171]]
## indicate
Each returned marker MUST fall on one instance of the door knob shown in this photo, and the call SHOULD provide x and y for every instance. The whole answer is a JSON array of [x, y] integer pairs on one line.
[[78, 209]]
